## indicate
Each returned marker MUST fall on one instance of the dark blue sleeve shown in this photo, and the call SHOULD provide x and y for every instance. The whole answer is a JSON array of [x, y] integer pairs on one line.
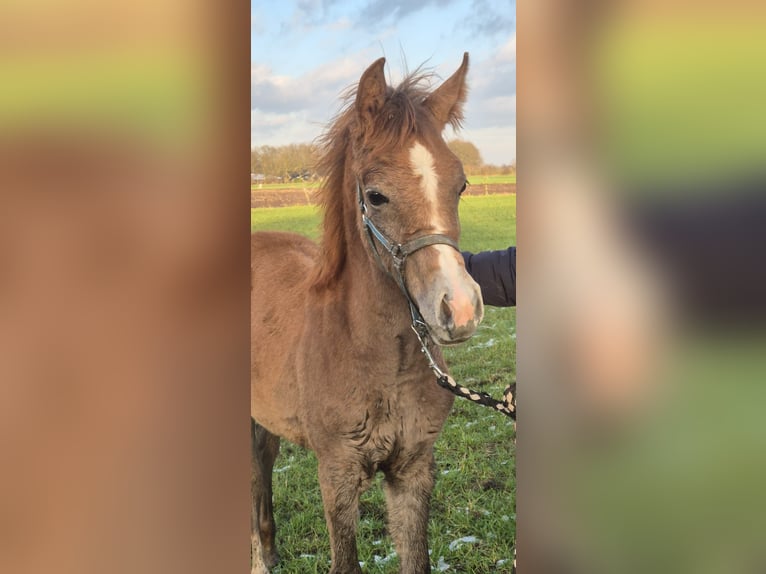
[[495, 272]]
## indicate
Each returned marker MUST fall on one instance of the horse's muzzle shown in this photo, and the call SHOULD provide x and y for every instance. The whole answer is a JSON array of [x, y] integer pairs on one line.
[[450, 300], [459, 316]]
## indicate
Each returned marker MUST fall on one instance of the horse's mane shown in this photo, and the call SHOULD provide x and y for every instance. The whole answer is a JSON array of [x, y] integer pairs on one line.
[[394, 124]]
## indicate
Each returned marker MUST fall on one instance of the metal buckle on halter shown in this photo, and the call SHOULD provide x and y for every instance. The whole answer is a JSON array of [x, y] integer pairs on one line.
[[421, 329], [398, 255], [360, 198]]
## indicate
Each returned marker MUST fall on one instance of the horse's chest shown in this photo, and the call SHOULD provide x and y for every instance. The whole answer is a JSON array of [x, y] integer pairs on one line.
[[381, 444], [391, 434]]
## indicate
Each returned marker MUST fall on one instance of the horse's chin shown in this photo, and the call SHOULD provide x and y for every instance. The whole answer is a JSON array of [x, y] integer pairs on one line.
[[448, 342]]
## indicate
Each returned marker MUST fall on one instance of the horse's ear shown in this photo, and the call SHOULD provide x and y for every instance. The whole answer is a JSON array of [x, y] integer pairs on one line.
[[371, 94], [446, 102]]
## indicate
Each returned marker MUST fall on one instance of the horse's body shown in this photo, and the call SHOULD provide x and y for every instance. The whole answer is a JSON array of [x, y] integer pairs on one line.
[[335, 365]]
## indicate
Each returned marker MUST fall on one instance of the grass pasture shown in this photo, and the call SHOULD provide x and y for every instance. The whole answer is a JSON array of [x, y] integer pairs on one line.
[[473, 519], [476, 179]]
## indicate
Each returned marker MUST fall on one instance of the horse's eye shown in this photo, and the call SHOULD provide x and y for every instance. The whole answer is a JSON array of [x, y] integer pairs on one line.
[[376, 198], [462, 189]]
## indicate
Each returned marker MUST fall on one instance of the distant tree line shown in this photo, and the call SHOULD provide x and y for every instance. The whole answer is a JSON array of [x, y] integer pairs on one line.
[[284, 163], [297, 161], [473, 164]]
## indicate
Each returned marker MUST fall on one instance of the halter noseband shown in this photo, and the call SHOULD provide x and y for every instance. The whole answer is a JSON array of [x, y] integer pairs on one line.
[[399, 253]]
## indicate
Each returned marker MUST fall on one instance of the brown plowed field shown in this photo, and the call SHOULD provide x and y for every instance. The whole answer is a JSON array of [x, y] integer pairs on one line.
[[285, 197]]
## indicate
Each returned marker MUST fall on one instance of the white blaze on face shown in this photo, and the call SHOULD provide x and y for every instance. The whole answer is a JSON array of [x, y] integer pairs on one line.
[[422, 163]]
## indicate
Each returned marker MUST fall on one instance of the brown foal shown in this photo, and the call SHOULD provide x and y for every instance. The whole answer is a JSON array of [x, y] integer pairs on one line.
[[335, 366]]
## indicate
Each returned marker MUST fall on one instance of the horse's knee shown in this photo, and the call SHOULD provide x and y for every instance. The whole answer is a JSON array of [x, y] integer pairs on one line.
[[416, 475]]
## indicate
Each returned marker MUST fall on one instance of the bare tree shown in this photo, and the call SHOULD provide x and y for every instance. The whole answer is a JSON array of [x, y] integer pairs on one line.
[[468, 154]]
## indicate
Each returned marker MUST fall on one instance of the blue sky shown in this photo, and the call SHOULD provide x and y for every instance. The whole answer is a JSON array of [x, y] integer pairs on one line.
[[304, 53]]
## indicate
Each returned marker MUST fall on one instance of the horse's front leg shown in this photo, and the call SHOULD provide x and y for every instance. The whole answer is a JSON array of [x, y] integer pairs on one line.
[[265, 447], [341, 485], [408, 493]]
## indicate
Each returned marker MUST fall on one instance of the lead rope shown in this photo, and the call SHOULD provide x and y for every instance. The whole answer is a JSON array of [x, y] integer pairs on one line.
[[507, 406], [399, 254]]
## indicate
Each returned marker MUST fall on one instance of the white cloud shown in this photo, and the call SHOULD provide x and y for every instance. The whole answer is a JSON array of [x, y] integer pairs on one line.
[[340, 25], [311, 92], [492, 96], [294, 109], [507, 52], [497, 144], [281, 129]]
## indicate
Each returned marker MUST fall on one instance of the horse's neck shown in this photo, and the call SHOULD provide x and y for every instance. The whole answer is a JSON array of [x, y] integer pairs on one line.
[[376, 309], [373, 298], [374, 292]]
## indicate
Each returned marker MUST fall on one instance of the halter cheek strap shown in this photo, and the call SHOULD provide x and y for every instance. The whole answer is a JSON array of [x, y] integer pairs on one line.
[[399, 253]]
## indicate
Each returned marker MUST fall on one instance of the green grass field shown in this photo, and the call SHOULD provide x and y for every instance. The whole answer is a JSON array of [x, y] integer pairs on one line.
[[474, 179], [473, 520], [485, 179]]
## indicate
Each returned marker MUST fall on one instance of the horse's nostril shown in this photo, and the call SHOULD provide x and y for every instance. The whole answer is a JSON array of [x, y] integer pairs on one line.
[[446, 312]]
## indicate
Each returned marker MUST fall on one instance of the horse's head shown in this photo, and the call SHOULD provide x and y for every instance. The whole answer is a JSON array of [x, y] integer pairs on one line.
[[408, 186]]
